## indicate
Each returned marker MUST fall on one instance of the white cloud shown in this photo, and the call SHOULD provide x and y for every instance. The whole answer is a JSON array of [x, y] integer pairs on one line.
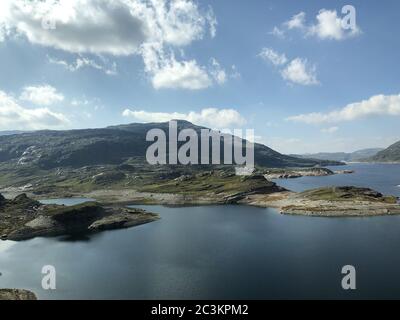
[[167, 72], [119, 28], [328, 25], [272, 56], [80, 26], [329, 130], [277, 32], [44, 95], [298, 71], [83, 62], [15, 117], [374, 106], [296, 22], [215, 118], [212, 20], [181, 75], [235, 74], [217, 72]]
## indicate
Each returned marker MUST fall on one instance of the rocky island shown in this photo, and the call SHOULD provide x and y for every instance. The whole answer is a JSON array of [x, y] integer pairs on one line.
[[23, 218], [344, 201], [293, 173]]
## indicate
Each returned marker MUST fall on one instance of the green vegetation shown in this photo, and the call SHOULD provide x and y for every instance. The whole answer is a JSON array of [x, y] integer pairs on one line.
[[391, 154], [23, 218], [346, 194], [215, 182]]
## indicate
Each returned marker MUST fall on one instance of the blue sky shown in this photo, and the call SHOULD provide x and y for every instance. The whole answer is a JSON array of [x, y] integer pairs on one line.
[[287, 69]]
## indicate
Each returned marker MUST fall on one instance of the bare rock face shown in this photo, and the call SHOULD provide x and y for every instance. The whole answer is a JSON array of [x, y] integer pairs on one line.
[[23, 218], [346, 201], [2, 200], [16, 294]]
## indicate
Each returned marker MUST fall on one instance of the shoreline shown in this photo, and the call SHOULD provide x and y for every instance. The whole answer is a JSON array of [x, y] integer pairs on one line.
[[286, 202], [23, 216]]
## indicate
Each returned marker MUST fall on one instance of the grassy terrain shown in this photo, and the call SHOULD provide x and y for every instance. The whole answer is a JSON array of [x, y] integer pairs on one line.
[[131, 175], [347, 194]]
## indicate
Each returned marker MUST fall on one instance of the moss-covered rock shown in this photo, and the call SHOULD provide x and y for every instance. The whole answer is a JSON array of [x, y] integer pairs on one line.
[[21, 222], [16, 294]]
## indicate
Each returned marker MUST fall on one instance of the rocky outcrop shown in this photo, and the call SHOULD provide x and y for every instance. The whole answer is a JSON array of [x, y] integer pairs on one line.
[[16, 294], [297, 173], [258, 185], [125, 219], [329, 202], [344, 171], [24, 218]]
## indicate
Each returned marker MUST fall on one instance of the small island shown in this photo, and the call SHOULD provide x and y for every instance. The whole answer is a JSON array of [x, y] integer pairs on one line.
[[23, 218], [344, 201]]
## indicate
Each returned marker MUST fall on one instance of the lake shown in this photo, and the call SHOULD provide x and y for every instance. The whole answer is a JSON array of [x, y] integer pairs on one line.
[[222, 252]]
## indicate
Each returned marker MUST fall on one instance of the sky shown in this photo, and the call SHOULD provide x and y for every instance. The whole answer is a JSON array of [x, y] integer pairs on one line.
[[305, 75]]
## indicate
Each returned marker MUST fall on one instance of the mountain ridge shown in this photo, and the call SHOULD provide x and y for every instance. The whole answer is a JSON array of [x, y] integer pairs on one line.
[[390, 154], [358, 155], [111, 145]]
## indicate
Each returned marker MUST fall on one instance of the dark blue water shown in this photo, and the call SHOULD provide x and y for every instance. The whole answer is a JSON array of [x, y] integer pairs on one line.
[[384, 178], [220, 252]]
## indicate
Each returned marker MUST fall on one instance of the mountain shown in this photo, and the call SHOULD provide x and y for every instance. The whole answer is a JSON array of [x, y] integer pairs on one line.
[[11, 132], [111, 145], [391, 154], [342, 156]]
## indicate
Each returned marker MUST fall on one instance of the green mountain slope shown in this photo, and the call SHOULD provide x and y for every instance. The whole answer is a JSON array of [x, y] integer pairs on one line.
[[391, 154], [112, 145]]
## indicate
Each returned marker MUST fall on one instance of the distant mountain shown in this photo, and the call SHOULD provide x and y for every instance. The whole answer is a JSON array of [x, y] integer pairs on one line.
[[391, 154], [9, 133], [112, 145], [365, 153], [342, 156]]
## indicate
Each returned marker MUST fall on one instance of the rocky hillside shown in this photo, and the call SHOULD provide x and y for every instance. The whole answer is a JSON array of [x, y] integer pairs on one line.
[[23, 218], [391, 154], [342, 156], [112, 145]]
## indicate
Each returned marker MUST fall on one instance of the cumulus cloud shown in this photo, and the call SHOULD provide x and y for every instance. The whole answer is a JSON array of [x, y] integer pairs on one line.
[[43, 95], [13, 116], [328, 24], [296, 22], [212, 117], [272, 56], [83, 62], [181, 75], [81, 26], [375, 106], [298, 71], [120, 28]]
